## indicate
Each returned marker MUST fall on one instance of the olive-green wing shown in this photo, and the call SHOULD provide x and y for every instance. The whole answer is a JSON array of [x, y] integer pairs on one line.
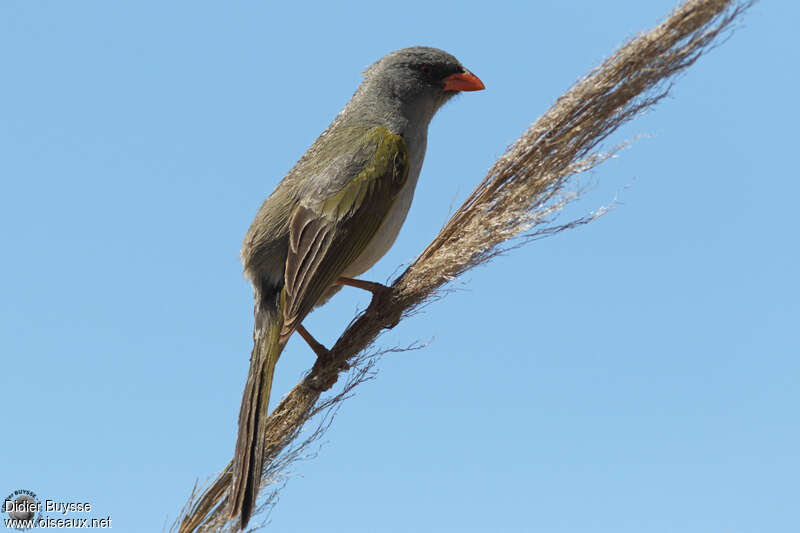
[[327, 234]]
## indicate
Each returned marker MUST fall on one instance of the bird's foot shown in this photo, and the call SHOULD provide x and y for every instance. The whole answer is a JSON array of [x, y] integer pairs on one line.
[[322, 376], [381, 295], [321, 351], [376, 289]]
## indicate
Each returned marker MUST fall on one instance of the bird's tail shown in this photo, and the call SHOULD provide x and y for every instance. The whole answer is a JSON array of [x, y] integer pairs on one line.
[[248, 461]]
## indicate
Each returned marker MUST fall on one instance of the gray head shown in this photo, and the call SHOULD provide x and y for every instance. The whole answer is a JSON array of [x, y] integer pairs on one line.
[[418, 79]]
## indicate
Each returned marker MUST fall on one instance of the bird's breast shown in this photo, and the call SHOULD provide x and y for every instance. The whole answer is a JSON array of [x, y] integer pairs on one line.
[[393, 222]]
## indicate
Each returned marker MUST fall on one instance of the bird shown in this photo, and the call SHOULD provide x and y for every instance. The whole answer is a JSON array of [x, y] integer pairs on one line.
[[333, 216]]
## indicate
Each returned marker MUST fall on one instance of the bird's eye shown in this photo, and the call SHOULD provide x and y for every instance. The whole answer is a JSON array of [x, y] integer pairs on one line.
[[426, 69]]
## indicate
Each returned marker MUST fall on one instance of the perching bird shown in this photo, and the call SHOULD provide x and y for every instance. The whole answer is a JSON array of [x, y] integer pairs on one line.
[[336, 212]]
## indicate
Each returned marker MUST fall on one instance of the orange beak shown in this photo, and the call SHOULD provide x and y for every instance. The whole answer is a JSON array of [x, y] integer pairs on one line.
[[463, 81]]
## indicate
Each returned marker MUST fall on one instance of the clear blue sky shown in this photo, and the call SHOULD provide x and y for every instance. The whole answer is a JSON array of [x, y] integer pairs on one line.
[[635, 375]]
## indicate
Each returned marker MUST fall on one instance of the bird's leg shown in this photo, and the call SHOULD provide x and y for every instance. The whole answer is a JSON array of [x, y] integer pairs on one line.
[[321, 351], [381, 296], [371, 286]]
